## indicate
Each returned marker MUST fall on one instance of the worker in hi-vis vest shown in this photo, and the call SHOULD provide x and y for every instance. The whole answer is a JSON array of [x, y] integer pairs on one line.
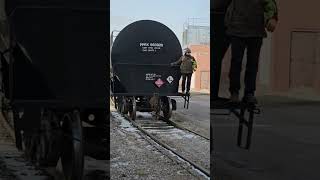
[[188, 65]]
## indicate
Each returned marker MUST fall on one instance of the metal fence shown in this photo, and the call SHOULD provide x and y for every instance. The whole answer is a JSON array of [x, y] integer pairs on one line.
[[196, 31]]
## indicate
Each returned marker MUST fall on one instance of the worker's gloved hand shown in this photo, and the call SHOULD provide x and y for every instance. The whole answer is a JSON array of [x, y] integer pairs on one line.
[[271, 25]]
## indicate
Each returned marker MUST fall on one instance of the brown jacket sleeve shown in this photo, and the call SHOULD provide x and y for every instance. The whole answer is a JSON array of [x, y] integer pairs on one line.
[[177, 62]]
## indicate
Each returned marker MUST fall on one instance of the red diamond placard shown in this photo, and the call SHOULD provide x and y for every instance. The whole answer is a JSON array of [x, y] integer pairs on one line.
[[159, 82]]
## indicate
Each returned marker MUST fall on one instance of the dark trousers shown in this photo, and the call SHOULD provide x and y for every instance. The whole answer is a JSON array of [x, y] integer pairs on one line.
[[238, 46], [184, 78], [219, 48]]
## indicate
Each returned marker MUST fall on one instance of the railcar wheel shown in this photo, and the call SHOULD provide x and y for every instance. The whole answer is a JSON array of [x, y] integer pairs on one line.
[[43, 140], [12, 117], [29, 142], [49, 140], [119, 103], [133, 109], [72, 156], [26, 141], [124, 106], [115, 102], [166, 107]]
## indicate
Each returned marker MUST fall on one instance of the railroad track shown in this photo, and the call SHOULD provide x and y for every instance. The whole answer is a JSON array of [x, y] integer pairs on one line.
[[186, 144]]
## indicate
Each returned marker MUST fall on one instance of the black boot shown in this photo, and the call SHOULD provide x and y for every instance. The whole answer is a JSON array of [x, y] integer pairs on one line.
[[250, 99], [234, 98]]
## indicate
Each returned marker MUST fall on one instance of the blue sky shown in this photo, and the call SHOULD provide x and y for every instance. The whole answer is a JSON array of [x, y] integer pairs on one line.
[[172, 13]]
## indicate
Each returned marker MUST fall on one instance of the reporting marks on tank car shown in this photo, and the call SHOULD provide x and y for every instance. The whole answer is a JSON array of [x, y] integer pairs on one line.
[[152, 76], [150, 47]]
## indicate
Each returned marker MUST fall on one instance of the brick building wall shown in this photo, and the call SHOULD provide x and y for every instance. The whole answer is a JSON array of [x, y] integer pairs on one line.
[[296, 46], [290, 57], [201, 78]]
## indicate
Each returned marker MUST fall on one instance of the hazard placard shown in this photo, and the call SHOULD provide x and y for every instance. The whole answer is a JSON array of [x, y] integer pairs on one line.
[[159, 82], [170, 79]]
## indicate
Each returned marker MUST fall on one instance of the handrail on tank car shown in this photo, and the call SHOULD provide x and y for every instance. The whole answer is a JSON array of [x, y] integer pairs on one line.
[[113, 37], [239, 110]]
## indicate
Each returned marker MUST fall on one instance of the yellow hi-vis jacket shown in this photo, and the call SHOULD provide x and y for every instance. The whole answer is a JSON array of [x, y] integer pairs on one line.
[[194, 65]]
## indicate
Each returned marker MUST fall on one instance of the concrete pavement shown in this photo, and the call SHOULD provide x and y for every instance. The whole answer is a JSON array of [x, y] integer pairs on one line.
[[285, 143], [197, 116]]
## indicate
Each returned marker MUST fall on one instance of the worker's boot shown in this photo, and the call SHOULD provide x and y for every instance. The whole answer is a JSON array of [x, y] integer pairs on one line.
[[234, 98], [249, 99]]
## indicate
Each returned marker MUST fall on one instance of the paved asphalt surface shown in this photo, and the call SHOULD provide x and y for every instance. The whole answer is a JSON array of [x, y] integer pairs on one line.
[[197, 116], [285, 143]]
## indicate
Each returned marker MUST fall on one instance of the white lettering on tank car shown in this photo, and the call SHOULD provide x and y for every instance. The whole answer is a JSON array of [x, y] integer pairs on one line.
[[156, 44], [144, 44], [151, 47], [152, 76]]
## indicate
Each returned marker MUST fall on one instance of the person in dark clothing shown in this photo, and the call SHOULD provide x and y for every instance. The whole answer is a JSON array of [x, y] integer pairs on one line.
[[188, 65], [221, 43], [246, 21]]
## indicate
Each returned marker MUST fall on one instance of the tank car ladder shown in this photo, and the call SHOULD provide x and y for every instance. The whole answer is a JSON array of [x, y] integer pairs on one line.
[[239, 110], [186, 98]]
